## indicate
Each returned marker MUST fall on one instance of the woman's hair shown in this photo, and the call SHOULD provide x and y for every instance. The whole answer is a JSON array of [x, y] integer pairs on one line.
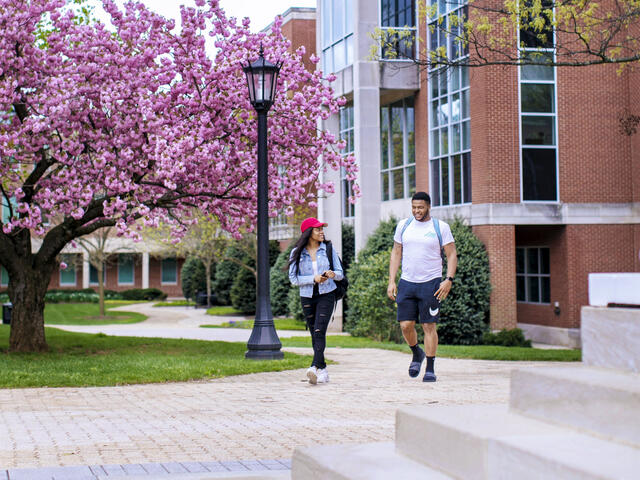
[[299, 246]]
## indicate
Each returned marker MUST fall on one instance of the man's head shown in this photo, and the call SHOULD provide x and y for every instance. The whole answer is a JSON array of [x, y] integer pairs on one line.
[[420, 206]]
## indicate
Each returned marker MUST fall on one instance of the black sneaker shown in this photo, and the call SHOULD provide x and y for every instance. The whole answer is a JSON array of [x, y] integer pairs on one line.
[[429, 377], [414, 367]]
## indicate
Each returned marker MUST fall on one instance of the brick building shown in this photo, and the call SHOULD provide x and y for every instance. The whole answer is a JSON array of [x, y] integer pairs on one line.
[[532, 158]]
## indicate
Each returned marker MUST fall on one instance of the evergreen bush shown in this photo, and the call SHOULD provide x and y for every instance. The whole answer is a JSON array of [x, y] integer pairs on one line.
[[506, 338], [295, 305], [194, 277], [280, 284], [143, 294], [381, 240], [371, 313], [226, 273], [243, 290]]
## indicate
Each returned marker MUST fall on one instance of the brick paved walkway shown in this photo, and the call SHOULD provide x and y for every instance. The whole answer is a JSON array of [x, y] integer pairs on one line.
[[247, 417]]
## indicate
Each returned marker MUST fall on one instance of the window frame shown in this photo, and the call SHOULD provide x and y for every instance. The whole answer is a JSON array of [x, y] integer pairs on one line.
[[347, 38], [70, 259], [405, 167], [348, 209], [414, 29], [162, 270], [133, 269], [526, 274], [104, 274], [550, 52]]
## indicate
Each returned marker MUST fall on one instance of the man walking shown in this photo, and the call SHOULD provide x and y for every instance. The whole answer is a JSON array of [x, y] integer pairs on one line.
[[417, 244]]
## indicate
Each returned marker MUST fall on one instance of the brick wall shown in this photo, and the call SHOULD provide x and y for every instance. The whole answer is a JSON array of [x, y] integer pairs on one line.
[[500, 243], [155, 277], [595, 158], [302, 33]]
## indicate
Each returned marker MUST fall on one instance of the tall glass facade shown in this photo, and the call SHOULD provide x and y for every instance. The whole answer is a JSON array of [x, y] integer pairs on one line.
[[337, 34], [449, 119], [346, 134], [399, 16], [398, 150], [538, 116]]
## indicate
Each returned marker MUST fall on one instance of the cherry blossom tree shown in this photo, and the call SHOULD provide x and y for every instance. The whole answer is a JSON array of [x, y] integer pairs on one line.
[[133, 124]]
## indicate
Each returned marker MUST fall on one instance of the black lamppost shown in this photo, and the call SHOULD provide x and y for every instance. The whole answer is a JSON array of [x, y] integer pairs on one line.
[[264, 343]]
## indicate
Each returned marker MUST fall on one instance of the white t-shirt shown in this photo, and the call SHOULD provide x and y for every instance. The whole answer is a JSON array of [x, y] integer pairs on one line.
[[421, 260]]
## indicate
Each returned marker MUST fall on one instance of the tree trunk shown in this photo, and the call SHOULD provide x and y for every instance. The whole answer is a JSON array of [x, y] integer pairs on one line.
[[207, 273], [101, 290], [26, 292]]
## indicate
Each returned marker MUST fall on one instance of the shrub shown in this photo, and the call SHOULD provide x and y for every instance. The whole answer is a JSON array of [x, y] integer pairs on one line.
[[381, 240], [71, 297], [112, 295], [280, 284], [371, 313], [506, 338], [143, 294], [295, 305], [243, 290], [226, 273], [464, 313], [194, 277], [274, 252]]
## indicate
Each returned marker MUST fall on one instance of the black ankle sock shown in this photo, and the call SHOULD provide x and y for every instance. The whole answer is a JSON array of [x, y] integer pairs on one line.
[[416, 352], [430, 361]]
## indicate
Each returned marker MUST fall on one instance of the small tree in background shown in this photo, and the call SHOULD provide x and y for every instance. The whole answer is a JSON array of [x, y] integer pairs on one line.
[[194, 277], [381, 239], [243, 289]]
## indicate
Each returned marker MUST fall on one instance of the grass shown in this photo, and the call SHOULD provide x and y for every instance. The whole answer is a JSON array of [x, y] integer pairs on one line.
[[175, 303], [280, 323], [223, 311], [82, 360], [477, 352], [89, 314]]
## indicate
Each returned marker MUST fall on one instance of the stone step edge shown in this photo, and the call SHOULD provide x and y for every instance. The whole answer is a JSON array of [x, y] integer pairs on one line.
[[592, 400], [461, 439], [370, 461]]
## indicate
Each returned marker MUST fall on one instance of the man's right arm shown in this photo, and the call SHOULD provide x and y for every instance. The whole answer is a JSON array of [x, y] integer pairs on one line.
[[394, 265]]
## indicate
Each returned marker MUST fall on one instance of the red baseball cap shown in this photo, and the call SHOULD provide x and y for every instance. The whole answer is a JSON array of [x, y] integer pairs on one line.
[[311, 223]]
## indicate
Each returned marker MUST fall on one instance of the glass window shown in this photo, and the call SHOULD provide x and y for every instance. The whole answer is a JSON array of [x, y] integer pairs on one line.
[[4, 276], [68, 275], [397, 144], [536, 34], [537, 97], [93, 275], [337, 35], [533, 281], [399, 16], [538, 130], [539, 174], [169, 269], [125, 269], [347, 133], [540, 71]]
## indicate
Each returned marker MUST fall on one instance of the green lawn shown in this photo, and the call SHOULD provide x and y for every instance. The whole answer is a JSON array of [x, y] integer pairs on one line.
[[280, 323], [81, 360], [223, 311], [478, 352], [88, 314]]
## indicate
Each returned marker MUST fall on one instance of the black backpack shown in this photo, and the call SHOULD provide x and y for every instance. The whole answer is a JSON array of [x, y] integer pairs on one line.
[[341, 285]]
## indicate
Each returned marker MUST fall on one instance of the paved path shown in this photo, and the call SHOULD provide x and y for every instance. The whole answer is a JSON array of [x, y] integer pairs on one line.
[[175, 322], [256, 416]]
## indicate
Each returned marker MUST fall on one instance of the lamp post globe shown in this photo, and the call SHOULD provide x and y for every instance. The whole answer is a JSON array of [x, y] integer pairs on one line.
[[262, 78]]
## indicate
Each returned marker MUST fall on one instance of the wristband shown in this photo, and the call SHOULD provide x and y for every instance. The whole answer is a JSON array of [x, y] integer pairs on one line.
[[450, 279]]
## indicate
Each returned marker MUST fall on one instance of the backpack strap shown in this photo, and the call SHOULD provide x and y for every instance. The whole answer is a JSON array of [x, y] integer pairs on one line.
[[404, 227], [330, 254], [436, 226]]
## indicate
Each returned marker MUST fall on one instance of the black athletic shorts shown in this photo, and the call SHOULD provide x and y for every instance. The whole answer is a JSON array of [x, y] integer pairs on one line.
[[416, 301]]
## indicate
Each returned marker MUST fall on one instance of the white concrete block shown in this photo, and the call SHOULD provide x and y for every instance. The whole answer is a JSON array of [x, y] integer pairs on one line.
[[595, 400], [620, 288], [611, 338], [570, 456], [373, 461], [455, 439]]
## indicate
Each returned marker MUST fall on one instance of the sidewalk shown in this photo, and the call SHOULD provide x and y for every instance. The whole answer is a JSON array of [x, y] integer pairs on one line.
[[247, 417]]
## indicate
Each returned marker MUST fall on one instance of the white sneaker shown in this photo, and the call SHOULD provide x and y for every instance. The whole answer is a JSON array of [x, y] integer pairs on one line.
[[323, 375], [312, 375]]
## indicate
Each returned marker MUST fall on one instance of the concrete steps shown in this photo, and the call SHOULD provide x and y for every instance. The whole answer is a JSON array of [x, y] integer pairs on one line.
[[490, 442], [370, 461], [595, 400], [575, 422]]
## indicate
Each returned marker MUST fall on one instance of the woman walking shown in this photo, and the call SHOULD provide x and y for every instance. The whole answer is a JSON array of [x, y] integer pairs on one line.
[[310, 269]]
